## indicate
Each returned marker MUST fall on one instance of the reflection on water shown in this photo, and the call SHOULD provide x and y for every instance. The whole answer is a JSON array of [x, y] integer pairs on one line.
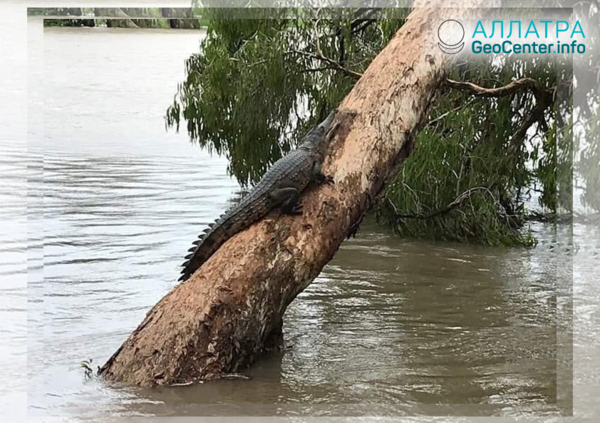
[[397, 326]]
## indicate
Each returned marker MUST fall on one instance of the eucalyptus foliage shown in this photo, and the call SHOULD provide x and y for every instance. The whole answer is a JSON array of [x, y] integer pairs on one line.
[[255, 87], [258, 84]]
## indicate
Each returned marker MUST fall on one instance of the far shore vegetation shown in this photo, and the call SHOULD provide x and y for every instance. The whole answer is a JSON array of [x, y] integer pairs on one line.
[[120, 17]]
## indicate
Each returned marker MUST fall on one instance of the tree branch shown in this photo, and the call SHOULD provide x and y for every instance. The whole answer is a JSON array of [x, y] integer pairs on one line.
[[451, 206], [496, 92], [360, 16], [536, 115], [333, 63], [543, 99]]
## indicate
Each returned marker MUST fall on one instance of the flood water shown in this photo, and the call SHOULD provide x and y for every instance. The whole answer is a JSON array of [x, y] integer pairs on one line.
[[390, 327]]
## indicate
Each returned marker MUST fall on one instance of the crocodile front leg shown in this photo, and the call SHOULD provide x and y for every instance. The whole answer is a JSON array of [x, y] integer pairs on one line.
[[324, 179], [289, 199], [320, 177]]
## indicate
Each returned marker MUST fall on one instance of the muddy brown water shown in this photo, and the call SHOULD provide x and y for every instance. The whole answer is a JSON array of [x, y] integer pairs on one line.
[[391, 326]]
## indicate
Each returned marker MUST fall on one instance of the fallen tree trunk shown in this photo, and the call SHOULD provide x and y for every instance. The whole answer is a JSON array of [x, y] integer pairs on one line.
[[230, 311]]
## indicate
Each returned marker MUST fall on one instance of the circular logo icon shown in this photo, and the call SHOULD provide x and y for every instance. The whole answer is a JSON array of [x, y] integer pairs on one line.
[[451, 34]]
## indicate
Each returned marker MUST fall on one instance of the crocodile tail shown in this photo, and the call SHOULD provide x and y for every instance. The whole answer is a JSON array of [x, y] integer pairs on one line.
[[205, 246]]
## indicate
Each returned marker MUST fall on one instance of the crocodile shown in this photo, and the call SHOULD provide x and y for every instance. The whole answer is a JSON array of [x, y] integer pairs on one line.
[[280, 187]]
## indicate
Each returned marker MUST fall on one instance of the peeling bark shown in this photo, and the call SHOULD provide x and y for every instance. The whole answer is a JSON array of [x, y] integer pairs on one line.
[[222, 318]]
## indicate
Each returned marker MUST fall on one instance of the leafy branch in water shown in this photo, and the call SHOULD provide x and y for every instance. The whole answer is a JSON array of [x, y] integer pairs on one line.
[[87, 368]]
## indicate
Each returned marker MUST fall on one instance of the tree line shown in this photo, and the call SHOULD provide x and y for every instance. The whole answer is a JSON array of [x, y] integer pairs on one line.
[[121, 17]]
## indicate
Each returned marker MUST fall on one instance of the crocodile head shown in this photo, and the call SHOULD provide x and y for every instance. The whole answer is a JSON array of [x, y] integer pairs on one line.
[[315, 138]]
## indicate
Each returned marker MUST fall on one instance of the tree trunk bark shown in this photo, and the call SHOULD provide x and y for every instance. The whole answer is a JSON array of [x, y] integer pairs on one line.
[[229, 312]]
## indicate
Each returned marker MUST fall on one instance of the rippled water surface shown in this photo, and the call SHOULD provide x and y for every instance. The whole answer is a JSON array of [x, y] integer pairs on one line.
[[390, 326]]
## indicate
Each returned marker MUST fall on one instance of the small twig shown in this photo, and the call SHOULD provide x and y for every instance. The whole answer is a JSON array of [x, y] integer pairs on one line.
[[366, 23], [324, 68], [318, 44], [260, 62], [393, 206], [443, 115]]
